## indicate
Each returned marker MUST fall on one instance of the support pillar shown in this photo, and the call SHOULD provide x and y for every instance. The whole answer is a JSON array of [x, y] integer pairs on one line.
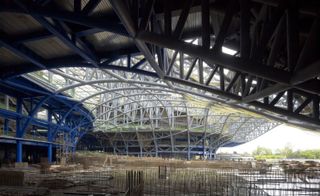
[[50, 139], [189, 148], [6, 126], [188, 132], [19, 131], [50, 153], [19, 152]]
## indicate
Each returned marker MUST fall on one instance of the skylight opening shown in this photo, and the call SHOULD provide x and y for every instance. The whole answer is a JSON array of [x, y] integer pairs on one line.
[[228, 51]]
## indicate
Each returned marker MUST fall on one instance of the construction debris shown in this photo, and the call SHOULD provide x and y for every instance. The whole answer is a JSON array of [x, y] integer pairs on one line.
[[116, 175]]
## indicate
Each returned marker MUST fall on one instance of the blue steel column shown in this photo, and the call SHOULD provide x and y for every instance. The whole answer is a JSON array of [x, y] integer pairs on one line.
[[19, 131], [19, 152], [50, 153], [6, 126], [50, 139]]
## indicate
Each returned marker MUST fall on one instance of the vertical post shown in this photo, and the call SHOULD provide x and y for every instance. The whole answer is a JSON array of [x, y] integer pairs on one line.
[[188, 132], [221, 78], [189, 148], [167, 18], [290, 101], [19, 152], [315, 109], [205, 133], [244, 29], [6, 102], [210, 155], [129, 61], [181, 65], [50, 153], [6, 126], [200, 64], [19, 132], [49, 137]]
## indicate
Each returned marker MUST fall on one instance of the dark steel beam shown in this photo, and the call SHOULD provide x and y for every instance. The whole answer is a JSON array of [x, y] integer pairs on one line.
[[44, 34], [205, 22], [234, 79], [272, 21], [230, 11], [202, 87], [62, 35], [148, 9], [289, 100], [315, 107], [182, 19], [24, 53], [90, 6], [233, 63], [214, 70], [245, 41], [221, 78], [138, 64], [200, 71], [33, 36], [173, 59], [277, 98], [303, 105], [181, 65], [122, 11], [107, 23], [308, 60], [311, 71], [77, 6], [286, 113], [292, 35], [265, 92], [191, 68], [167, 17]]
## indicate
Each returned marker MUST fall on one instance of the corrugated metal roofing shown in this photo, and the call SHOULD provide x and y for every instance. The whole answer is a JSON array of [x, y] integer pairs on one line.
[[193, 22], [49, 48], [9, 58], [106, 41], [65, 5], [104, 7], [15, 24]]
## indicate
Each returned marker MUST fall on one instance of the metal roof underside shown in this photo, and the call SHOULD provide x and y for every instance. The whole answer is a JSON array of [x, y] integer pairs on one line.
[[249, 61]]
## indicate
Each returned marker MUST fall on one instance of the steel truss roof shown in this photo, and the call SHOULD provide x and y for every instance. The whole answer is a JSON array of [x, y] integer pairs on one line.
[[141, 115], [257, 56]]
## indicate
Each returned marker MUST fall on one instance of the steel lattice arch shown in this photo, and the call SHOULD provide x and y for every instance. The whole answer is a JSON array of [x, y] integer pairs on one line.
[[140, 115], [157, 78]]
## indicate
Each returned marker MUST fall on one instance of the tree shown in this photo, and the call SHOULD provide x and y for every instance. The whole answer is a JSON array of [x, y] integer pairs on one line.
[[286, 151], [262, 151]]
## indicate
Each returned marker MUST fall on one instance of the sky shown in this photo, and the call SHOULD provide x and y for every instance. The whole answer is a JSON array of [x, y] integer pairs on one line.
[[279, 137]]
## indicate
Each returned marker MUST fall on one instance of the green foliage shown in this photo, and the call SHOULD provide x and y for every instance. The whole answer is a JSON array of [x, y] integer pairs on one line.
[[287, 152], [306, 154], [269, 156], [261, 151]]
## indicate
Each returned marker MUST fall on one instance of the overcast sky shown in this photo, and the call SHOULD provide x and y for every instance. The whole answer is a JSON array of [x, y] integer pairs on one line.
[[279, 137]]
